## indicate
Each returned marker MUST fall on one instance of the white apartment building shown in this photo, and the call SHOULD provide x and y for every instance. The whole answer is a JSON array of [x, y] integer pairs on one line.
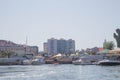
[[54, 46]]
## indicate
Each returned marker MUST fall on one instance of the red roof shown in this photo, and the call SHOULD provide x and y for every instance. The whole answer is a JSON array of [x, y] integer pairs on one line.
[[101, 49]]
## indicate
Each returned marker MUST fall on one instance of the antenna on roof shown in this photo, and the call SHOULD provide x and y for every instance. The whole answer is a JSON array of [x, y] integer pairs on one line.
[[26, 45], [26, 40]]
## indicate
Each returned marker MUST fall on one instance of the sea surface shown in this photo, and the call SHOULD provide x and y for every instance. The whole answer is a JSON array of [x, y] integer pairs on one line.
[[59, 72]]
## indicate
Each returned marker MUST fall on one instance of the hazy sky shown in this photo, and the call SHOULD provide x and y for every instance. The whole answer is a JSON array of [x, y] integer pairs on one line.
[[88, 22]]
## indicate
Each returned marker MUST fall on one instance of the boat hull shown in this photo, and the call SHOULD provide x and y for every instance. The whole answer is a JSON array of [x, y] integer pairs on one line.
[[109, 63]]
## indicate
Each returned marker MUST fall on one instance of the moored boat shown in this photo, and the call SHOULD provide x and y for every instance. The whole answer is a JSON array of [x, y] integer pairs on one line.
[[37, 61], [109, 62], [27, 62], [81, 62]]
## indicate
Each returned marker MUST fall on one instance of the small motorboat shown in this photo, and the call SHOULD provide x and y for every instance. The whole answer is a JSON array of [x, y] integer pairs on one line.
[[37, 61], [109, 62], [27, 62], [81, 62], [77, 62]]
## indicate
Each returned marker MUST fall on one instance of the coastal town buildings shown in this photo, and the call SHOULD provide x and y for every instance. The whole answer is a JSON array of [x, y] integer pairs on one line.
[[19, 50], [54, 46], [93, 50]]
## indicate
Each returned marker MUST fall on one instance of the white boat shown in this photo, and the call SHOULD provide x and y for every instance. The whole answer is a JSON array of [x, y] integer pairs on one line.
[[109, 62], [27, 62], [81, 62], [37, 61], [77, 62]]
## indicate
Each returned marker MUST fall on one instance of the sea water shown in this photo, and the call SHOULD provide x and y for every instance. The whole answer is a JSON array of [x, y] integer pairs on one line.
[[59, 72]]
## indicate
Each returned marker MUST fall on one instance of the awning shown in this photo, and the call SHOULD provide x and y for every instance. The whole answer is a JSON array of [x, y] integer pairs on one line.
[[115, 51]]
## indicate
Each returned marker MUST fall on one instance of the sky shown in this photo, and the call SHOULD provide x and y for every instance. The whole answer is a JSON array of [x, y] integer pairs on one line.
[[88, 22]]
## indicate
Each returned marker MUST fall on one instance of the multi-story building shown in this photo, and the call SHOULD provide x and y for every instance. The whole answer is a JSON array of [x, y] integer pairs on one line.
[[61, 46], [70, 46], [54, 46], [45, 47], [18, 49]]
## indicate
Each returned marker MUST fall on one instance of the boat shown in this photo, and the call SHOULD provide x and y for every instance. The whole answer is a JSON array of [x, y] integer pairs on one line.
[[37, 61], [27, 62], [77, 62], [81, 62], [109, 62]]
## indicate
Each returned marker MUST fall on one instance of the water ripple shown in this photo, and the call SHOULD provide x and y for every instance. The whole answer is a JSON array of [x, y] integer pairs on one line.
[[59, 72]]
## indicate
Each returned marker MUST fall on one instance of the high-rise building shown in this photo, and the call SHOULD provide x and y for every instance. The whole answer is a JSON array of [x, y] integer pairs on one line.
[[54, 46], [61, 46], [70, 46], [45, 47]]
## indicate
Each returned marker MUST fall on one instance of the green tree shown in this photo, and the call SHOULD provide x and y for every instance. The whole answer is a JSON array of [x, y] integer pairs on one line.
[[7, 54], [2, 54], [109, 45]]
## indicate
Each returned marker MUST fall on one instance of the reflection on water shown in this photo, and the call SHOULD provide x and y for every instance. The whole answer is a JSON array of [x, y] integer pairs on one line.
[[60, 72]]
